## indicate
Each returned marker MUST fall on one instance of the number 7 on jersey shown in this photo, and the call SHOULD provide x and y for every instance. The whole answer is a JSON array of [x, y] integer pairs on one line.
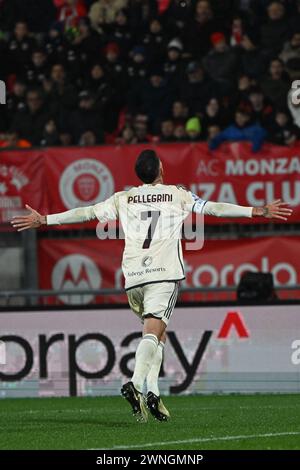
[[154, 215]]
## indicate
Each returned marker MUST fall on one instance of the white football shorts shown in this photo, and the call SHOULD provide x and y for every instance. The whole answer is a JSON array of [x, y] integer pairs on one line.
[[154, 300]]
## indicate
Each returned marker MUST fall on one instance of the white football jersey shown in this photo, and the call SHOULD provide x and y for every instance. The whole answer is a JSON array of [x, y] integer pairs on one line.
[[151, 218]]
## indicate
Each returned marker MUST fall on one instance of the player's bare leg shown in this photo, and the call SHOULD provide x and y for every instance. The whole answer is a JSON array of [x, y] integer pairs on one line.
[[145, 354]]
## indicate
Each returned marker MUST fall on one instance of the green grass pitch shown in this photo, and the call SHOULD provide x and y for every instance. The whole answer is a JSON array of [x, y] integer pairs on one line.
[[198, 422]]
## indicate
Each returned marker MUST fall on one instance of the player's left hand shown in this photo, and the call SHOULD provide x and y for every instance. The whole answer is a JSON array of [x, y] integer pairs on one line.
[[277, 210]]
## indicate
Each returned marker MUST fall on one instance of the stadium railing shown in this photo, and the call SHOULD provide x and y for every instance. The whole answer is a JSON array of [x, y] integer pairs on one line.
[[77, 297]]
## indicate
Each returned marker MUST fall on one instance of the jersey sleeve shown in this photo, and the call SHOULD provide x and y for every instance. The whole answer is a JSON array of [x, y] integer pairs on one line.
[[224, 209], [192, 202], [103, 211], [109, 209]]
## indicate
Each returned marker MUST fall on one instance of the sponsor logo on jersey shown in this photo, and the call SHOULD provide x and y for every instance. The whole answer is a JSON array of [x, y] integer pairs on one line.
[[85, 182], [146, 261], [76, 272]]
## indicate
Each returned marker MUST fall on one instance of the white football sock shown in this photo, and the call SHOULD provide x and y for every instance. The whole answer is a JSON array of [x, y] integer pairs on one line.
[[144, 356], [153, 375]]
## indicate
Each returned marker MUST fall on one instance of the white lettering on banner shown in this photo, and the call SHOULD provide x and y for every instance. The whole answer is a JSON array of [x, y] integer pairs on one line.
[[251, 191], [286, 193], [226, 193], [220, 277], [257, 193], [266, 192], [295, 358], [208, 168], [270, 166]]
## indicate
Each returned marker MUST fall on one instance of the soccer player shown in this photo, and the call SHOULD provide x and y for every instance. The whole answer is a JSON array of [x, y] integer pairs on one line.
[[151, 216]]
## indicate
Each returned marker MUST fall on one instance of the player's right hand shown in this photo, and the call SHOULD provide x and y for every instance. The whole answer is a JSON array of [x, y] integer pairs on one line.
[[25, 222]]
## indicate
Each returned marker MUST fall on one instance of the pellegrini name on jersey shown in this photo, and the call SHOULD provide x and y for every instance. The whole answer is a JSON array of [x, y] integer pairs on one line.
[[146, 198]]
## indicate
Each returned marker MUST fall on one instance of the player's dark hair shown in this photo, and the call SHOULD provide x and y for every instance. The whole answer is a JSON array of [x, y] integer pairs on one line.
[[147, 166]]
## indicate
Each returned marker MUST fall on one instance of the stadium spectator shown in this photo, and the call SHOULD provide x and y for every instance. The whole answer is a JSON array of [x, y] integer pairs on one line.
[[13, 141], [251, 60], [275, 30], [155, 58], [220, 63], [179, 133], [196, 88], [69, 11], [137, 67], [193, 129], [103, 12], [176, 17], [120, 32], [154, 98], [240, 95], [241, 130], [261, 108], [199, 29], [167, 131], [61, 95], [65, 138], [141, 129], [281, 130], [212, 132], [16, 99], [50, 134], [294, 20], [126, 136], [20, 48], [213, 115], [140, 12], [88, 139], [37, 69], [29, 122], [87, 43], [173, 67], [180, 112], [276, 85], [55, 43], [290, 55], [86, 118], [154, 41]]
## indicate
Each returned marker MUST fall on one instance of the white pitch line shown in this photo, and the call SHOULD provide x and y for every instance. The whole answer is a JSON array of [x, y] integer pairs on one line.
[[204, 439]]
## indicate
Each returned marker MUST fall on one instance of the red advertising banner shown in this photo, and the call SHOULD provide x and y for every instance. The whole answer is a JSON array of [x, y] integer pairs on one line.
[[77, 264], [57, 179], [22, 180]]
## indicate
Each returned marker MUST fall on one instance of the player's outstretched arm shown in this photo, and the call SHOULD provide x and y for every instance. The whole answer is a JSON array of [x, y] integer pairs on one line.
[[275, 210], [35, 220]]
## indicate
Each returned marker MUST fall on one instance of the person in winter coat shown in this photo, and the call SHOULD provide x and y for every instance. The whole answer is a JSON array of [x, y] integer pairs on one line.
[[241, 130]]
